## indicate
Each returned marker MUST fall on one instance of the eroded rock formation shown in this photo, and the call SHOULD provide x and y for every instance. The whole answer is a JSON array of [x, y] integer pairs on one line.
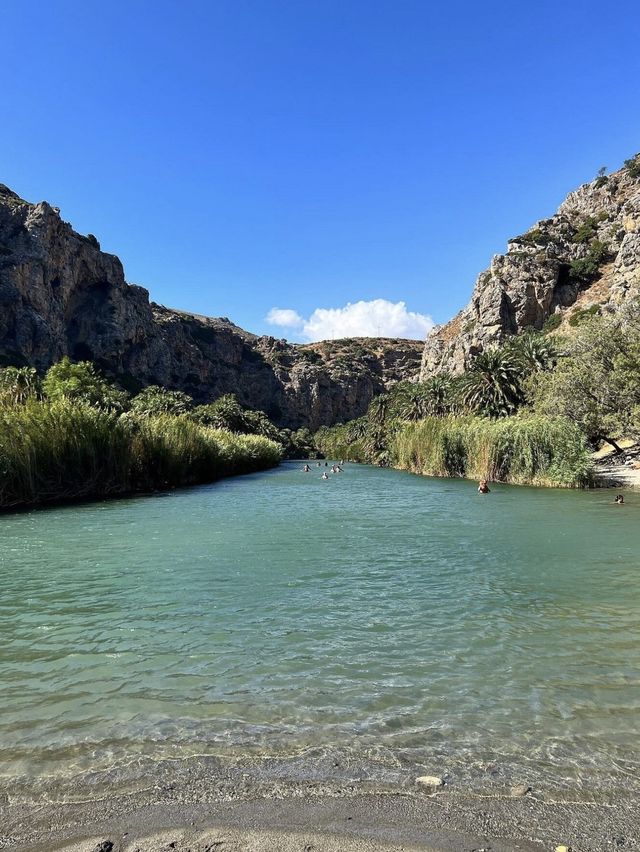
[[61, 295], [587, 254]]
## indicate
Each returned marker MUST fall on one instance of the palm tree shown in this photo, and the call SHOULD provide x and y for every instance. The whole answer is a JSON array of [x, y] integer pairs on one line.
[[356, 429], [379, 409], [534, 352], [438, 390], [412, 403], [492, 385]]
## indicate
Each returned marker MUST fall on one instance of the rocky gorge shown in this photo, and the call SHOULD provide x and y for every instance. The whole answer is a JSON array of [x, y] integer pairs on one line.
[[583, 259], [61, 295]]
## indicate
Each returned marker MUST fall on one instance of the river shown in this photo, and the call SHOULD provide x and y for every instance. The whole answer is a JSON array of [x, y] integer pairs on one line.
[[381, 621]]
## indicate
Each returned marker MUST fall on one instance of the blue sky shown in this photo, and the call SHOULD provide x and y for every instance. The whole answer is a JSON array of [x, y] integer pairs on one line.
[[243, 156]]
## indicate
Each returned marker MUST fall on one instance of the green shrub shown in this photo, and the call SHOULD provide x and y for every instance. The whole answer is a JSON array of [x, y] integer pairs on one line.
[[585, 232], [534, 237], [633, 166], [583, 314], [552, 322], [587, 267]]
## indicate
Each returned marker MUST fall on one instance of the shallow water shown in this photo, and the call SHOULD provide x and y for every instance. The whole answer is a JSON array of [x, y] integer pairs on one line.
[[401, 622]]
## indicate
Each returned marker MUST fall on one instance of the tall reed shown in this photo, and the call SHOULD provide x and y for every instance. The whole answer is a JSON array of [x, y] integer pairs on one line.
[[58, 451], [524, 449]]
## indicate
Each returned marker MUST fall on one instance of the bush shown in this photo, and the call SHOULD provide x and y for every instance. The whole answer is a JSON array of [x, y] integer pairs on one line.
[[587, 267], [583, 314], [552, 322], [633, 166]]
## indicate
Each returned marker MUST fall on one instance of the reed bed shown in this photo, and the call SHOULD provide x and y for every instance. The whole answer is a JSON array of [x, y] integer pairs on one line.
[[523, 450], [60, 451]]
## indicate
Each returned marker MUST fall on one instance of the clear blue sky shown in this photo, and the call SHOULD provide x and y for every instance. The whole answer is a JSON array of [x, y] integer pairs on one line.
[[245, 154]]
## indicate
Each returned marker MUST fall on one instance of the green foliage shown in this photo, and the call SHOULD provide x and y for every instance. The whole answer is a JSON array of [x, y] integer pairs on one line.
[[80, 382], [225, 413], [18, 385], [525, 449], [531, 352], [582, 315], [597, 382], [633, 166], [552, 322], [587, 267], [586, 231], [492, 385], [70, 438], [64, 450], [60, 450], [535, 237], [154, 400]]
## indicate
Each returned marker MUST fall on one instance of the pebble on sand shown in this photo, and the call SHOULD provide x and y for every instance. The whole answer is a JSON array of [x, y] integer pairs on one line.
[[429, 781], [520, 790]]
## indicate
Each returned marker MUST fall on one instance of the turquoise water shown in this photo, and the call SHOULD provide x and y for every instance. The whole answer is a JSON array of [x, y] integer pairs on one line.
[[403, 621]]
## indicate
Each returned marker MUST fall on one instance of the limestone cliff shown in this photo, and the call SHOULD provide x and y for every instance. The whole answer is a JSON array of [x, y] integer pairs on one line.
[[587, 254], [61, 295]]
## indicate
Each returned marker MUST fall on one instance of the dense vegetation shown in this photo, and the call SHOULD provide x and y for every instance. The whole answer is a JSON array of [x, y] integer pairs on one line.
[[528, 411], [75, 435]]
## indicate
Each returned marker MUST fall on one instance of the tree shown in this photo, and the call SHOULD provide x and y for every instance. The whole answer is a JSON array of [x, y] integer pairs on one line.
[[155, 400], [379, 409], [597, 383], [81, 383], [532, 351], [491, 386], [225, 413]]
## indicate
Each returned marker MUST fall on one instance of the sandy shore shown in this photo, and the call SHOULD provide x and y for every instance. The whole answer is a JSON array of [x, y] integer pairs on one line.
[[201, 815], [618, 470]]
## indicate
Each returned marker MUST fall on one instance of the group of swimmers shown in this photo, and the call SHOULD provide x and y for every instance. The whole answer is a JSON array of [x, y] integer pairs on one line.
[[335, 468]]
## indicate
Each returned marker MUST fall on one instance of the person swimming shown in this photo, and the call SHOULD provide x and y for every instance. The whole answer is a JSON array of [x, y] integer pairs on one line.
[[619, 499], [306, 468], [483, 488], [325, 475]]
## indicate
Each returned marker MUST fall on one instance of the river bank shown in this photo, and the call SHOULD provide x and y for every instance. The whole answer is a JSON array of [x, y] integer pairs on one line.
[[201, 805]]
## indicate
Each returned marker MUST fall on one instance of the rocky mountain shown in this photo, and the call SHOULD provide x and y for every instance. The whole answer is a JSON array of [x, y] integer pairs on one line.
[[584, 258], [61, 295]]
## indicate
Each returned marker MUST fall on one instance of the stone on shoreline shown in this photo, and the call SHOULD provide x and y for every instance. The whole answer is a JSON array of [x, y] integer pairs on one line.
[[520, 790], [430, 781]]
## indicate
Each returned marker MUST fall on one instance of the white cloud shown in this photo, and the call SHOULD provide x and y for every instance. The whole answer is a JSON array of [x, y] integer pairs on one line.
[[284, 317], [376, 318]]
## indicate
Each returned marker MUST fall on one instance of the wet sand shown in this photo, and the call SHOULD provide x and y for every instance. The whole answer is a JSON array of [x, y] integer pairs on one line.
[[199, 816]]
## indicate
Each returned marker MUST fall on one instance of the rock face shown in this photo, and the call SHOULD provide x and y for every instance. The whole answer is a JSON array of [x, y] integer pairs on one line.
[[587, 254], [60, 295]]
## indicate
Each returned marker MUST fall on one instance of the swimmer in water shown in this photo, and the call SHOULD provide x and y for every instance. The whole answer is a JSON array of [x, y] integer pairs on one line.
[[325, 475], [483, 488], [306, 468], [619, 499]]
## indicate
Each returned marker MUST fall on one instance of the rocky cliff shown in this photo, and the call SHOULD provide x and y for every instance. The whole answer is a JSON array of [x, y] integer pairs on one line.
[[586, 255], [61, 295]]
